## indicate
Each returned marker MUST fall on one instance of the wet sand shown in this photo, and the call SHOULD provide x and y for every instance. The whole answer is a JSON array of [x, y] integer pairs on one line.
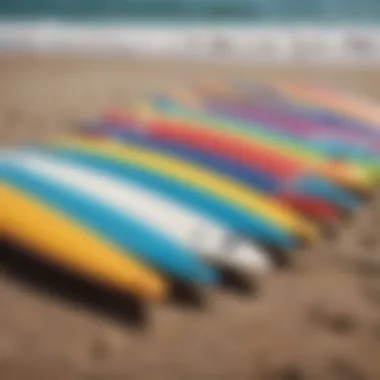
[[317, 319]]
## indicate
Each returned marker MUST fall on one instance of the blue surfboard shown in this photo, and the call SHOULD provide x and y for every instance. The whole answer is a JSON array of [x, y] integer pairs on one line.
[[148, 245], [238, 220]]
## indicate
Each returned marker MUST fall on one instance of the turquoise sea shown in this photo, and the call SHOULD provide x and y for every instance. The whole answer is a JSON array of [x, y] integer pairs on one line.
[[249, 28], [190, 11]]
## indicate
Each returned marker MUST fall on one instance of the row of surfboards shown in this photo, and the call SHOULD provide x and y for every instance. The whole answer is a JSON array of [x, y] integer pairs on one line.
[[189, 181]]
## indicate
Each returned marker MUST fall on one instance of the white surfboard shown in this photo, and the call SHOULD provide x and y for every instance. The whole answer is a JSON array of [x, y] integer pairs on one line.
[[208, 239]]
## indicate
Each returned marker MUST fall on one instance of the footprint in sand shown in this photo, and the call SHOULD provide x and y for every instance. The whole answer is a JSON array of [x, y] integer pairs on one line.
[[341, 323]]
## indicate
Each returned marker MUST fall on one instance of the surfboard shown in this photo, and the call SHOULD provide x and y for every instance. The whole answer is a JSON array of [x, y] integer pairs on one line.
[[308, 185], [328, 144], [336, 101], [329, 117], [225, 145], [271, 149], [183, 182], [121, 230], [241, 222], [264, 207], [309, 206], [62, 241], [212, 242], [316, 135], [266, 92], [317, 149]]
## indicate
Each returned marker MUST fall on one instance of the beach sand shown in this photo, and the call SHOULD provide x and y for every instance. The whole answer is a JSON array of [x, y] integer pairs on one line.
[[317, 319]]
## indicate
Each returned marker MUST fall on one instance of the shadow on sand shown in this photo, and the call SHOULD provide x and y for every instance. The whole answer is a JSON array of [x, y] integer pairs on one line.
[[49, 280]]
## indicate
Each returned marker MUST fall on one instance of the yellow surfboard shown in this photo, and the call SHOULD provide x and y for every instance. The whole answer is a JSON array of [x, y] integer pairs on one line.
[[265, 206], [61, 241]]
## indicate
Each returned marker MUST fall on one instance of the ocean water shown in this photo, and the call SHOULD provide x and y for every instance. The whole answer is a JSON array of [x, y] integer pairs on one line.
[[190, 11], [270, 30]]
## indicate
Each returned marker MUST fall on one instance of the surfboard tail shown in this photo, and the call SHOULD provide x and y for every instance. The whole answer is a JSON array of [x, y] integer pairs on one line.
[[62, 242]]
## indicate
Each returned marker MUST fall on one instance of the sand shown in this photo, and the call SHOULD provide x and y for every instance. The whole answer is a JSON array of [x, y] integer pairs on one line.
[[317, 319]]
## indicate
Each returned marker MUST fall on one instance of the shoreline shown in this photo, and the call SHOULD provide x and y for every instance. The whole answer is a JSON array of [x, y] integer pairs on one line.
[[282, 44]]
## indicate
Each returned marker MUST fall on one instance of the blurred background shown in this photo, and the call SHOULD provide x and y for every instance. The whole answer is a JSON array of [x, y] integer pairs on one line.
[[249, 11], [317, 320], [324, 30]]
